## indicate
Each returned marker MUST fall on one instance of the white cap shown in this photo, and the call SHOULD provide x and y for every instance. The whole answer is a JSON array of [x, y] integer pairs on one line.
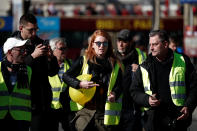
[[11, 43]]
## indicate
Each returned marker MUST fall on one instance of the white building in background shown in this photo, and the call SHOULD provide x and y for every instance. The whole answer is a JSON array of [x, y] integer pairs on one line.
[[5, 7]]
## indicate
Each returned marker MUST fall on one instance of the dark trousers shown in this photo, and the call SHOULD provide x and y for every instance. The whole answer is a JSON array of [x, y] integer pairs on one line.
[[60, 116], [130, 120], [40, 121], [9, 124], [155, 121]]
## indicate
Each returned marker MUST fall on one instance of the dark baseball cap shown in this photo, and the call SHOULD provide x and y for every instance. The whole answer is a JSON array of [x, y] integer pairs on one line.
[[124, 35]]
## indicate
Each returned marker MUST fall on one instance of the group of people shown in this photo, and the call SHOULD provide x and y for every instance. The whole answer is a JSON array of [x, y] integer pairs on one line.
[[134, 91]]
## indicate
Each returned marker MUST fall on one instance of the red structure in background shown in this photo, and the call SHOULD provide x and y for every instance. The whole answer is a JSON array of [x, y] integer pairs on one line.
[[190, 39], [114, 24], [118, 23]]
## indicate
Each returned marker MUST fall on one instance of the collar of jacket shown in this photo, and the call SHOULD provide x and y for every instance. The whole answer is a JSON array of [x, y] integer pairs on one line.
[[131, 57]]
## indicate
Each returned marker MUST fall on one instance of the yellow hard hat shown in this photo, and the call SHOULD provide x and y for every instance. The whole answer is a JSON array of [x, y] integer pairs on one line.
[[82, 96]]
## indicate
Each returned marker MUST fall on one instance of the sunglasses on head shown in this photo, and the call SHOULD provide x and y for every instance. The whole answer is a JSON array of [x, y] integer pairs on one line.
[[98, 43]]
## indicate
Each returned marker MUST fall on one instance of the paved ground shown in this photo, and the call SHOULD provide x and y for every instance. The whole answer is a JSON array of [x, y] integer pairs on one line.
[[193, 126]]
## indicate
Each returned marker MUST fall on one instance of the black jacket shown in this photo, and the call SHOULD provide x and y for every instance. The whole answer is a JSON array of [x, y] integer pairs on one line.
[[128, 60], [41, 69], [101, 74], [159, 80]]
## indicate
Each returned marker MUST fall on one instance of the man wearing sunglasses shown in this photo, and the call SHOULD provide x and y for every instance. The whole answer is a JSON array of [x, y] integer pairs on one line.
[[61, 102], [130, 57], [40, 58], [15, 94]]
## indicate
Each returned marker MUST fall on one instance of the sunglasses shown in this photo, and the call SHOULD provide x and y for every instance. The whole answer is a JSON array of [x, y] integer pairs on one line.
[[20, 50], [32, 29], [98, 43], [62, 48]]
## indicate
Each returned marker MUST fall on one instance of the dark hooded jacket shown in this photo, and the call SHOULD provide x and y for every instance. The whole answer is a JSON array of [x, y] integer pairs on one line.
[[128, 60]]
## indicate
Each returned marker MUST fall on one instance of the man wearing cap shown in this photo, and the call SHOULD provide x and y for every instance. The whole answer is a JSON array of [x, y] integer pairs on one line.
[[130, 57], [40, 58], [15, 93]]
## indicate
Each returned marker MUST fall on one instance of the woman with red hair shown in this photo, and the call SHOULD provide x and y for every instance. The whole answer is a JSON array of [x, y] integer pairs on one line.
[[103, 110]]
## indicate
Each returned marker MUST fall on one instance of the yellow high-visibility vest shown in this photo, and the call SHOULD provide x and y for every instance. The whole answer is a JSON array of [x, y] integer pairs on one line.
[[57, 87], [112, 110], [18, 103], [176, 80], [141, 55], [73, 105]]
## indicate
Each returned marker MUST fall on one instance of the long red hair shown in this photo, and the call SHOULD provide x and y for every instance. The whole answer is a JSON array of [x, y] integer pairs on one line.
[[90, 53]]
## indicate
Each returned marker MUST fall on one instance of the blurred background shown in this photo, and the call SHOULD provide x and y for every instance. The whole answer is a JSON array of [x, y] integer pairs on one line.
[[76, 20]]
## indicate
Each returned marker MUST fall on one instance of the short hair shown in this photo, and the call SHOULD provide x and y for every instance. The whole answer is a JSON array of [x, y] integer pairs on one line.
[[163, 36], [54, 41], [25, 18], [174, 39]]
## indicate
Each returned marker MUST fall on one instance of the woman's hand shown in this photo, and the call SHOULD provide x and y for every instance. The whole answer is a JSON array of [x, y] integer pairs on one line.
[[87, 84]]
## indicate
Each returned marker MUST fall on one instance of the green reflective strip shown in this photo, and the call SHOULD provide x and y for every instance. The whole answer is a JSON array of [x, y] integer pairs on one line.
[[55, 99], [113, 106], [21, 108], [4, 93], [179, 102], [4, 107], [112, 113], [84, 69], [111, 120], [143, 56], [177, 83], [113, 78], [56, 89], [22, 96], [75, 106], [178, 96], [178, 90], [56, 105]]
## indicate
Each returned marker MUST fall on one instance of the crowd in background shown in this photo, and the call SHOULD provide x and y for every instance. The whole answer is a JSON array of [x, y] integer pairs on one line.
[[95, 9], [102, 9]]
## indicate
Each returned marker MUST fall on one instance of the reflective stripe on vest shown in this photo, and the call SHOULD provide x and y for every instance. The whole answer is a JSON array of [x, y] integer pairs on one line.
[[18, 103], [113, 109], [57, 87], [176, 80], [84, 70], [75, 106], [141, 55], [146, 83]]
